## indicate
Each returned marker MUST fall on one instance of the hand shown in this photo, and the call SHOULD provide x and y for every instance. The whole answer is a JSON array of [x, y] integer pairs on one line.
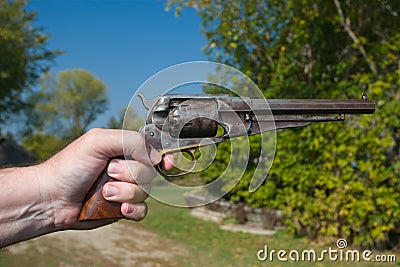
[[72, 172], [47, 197]]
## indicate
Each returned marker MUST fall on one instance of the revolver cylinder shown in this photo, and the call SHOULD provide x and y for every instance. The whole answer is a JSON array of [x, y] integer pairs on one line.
[[193, 118]]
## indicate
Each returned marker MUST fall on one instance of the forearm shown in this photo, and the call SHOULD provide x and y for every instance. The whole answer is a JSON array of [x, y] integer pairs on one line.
[[24, 214], [48, 197]]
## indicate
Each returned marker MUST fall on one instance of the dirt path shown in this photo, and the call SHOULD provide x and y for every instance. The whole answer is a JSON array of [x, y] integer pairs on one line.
[[120, 244]]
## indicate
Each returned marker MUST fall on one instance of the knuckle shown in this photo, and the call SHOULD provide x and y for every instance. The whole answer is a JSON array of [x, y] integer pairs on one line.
[[92, 135], [134, 144], [132, 192], [152, 172], [137, 136], [133, 172], [145, 174], [142, 213], [147, 189], [94, 132]]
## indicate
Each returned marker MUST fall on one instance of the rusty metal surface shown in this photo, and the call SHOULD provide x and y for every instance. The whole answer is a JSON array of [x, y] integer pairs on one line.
[[181, 122], [320, 106], [193, 118], [277, 106]]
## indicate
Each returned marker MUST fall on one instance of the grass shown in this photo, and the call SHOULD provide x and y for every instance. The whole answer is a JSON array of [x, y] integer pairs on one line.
[[34, 257], [208, 245], [51, 255], [204, 244]]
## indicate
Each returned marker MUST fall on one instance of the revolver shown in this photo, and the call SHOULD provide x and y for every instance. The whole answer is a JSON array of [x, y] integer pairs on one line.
[[181, 123]]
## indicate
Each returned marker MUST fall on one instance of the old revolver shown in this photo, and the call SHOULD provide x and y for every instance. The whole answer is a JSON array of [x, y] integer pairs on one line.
[[181, 123]]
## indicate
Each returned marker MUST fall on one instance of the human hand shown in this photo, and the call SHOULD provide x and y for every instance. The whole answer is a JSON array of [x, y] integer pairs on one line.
[[71, 173]]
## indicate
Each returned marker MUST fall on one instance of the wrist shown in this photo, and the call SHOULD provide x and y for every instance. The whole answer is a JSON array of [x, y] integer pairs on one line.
[[63, 213], [24, 212]]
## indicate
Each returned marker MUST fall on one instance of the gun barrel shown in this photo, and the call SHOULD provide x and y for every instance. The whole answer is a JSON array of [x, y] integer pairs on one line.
[[318, 106]]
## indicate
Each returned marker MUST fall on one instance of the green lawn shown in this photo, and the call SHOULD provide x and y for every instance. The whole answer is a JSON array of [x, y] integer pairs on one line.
[[210, 246], [204, 244]]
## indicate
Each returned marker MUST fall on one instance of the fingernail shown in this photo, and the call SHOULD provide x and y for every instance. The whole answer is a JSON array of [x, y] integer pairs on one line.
[[129, 209], [114, 167], [155, 157], [111, 191]]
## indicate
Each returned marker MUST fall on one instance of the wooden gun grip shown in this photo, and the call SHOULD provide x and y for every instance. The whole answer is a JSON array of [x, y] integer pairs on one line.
[[95, 206]]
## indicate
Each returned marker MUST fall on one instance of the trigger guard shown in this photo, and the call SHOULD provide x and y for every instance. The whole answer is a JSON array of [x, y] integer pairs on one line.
[[164, 173]]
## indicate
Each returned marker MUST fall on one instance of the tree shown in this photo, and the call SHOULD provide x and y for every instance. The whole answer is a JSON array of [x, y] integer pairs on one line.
[[331, 180], [64, 108], [43, 145], [127, 119], [24, 55]]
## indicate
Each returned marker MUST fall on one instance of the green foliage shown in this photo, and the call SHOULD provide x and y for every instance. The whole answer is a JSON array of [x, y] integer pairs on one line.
[[127, 119], [43, 145], [63, 109], [331, 179], [23, 55]]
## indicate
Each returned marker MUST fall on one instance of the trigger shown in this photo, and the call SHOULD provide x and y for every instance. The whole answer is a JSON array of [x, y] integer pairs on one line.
[[163, 171], [192, 153]]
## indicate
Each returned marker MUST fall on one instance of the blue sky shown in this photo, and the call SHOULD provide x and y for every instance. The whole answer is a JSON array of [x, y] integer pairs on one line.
[[121, 42]]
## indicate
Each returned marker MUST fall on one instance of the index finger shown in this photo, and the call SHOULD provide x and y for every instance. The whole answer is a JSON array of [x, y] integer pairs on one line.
[[168, 162]]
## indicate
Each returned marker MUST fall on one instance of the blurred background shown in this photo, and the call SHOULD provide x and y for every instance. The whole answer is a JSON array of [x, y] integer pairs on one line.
[[68, 66]]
